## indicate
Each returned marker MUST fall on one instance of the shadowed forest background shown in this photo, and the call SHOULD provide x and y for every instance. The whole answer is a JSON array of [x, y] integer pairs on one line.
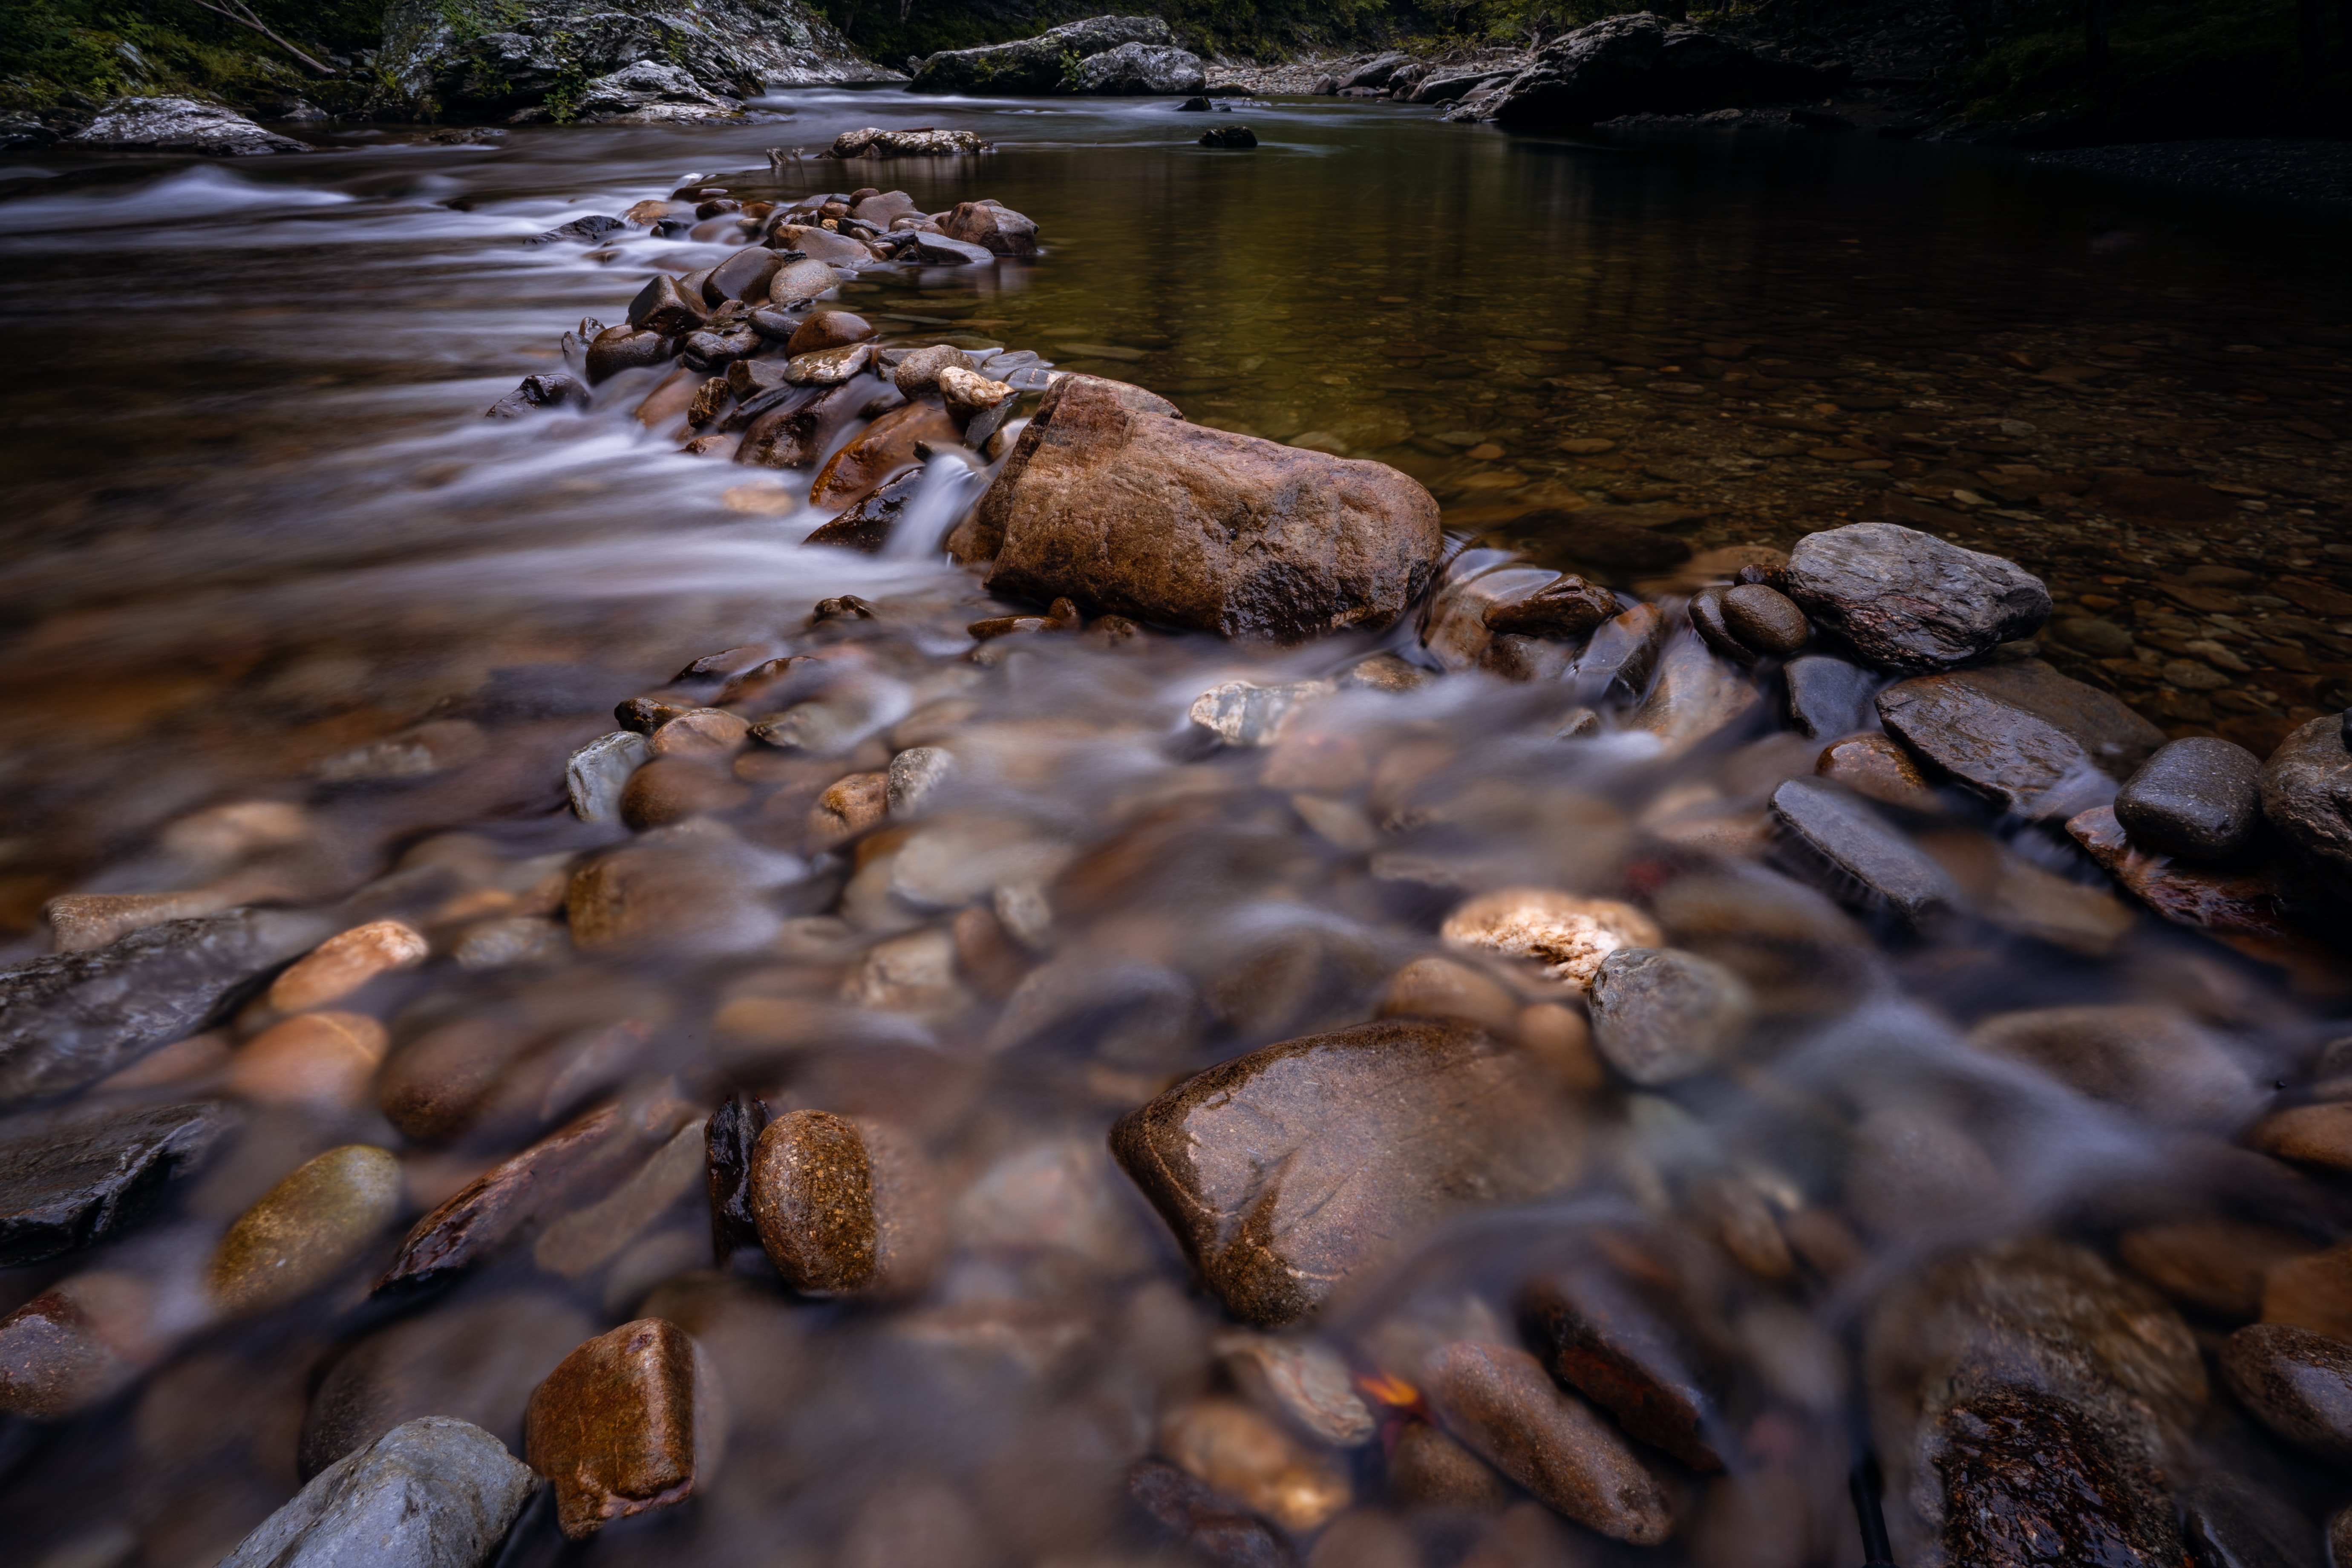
[[2174, 68]]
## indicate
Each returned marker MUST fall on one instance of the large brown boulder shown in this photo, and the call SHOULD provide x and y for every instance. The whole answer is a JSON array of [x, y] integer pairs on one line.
[[1111, 499], [1288, 1170]]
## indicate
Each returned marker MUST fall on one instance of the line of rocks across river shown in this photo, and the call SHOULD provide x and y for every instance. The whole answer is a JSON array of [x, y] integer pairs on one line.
[[611, 1155]]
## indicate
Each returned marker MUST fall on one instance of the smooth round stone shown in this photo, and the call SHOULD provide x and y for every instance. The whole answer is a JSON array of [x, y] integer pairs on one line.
[[345, 962], [2298, 1383], [1430, 1470], [1660, 1015], [1706, 616], [2307, 795], [1765, 619], [1569, 935], [671, 789], [843, 1208], [829, 329], [306, 1229], [920, 371], [2199, 798]]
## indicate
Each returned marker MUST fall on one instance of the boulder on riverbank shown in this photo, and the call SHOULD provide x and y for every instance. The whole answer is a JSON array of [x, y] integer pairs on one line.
[[1140, 50], [180, 125], [1113, 499], [1633, 64], [470, 56]]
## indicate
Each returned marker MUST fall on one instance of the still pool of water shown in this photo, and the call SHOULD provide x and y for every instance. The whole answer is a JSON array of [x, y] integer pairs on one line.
[[263, 547]]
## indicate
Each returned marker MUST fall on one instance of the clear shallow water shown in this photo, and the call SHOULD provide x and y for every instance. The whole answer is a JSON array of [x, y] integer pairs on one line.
[[256, 521]]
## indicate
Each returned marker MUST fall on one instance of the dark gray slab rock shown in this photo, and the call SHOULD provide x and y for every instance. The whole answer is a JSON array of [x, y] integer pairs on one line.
[[476, 1363], [1637, 63], [1828, 697], [1033, 66], [1291, 1170], [2029, 1477], [180, 125], [1660, 1015], [431, 1493], [65, 1183], [71, 1018], [1906, 601], [2021, 734], [1865, 863], [2306, 788], [2199, 798]]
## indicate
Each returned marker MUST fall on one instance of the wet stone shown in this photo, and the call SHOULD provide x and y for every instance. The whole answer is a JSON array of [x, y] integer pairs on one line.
[[1865, 862], [2306, 790], [430, 1493], [843, 1206], [1429, 1469], [598, 772], [2153, 1059], [1764, 619], [666, 306], [1500, 1403], [626, 1424], [1610, 1332], [525, 1189], [2199, 798], [2298, 1383], [828, 330], [2232, 1522], [67, 1182], [303, 1231], [1620, 658], [2021, 734], [1660, 1015], [57, 1354], [919, 372], [1112, 498], [1828, 697], [1307, 1380], [866, 526], [2028, 1479], [1191, 1511], [474, 1361], [728, 1139], [1244, 713], [828, 367], [914, 775], [1247, 1458], [1381, 1131], [793, 285], [71, 1018], [616, 349], [1908, 601], [1567, 609], [1707, 619], [345, 962], [2217, 1266], [1567, 935]]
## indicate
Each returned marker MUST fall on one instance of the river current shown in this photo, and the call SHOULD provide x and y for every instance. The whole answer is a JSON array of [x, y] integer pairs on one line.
[[258, 525]]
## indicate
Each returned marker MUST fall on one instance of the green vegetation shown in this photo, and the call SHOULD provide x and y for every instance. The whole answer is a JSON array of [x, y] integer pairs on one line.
[[83, 52], [2174, 68]]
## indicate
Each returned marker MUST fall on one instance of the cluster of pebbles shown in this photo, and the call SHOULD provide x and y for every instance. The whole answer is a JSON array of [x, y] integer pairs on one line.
[[1253, 1026]]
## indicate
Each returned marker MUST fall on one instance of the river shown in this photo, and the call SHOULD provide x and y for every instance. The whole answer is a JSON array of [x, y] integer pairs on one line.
[[258, 527]]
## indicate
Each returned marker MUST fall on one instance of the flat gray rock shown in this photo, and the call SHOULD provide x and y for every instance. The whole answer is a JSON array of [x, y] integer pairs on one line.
[[1908, 601], [431, 1493], [65, 1183], [71, 1018], [1138, 69], [1660, 1015], [1870, 864], [2021, 734]]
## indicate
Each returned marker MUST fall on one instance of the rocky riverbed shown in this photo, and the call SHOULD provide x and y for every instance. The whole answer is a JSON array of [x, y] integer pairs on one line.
[[1283, 1008]]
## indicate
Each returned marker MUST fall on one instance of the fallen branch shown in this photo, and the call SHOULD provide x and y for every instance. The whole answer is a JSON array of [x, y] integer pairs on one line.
[[242, 15]]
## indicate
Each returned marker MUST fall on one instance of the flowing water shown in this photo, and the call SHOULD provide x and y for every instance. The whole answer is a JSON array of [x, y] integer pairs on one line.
[[290, 622]]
